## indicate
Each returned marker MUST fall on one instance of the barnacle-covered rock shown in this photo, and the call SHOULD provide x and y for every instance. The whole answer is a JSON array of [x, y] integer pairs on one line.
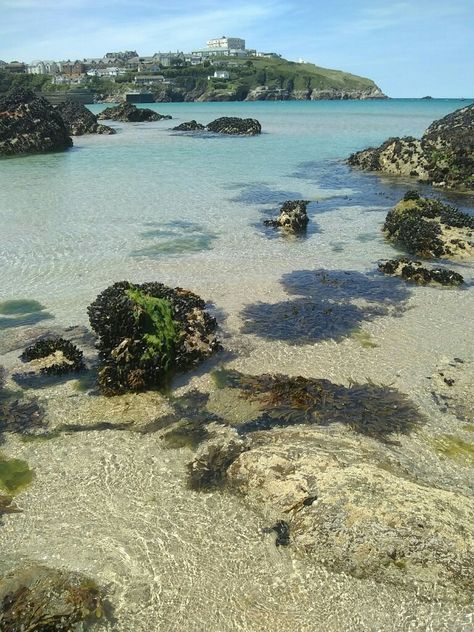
[[29, 124], [64, 356], [292, 217], [429, 228], [443, 156], [148, 332], [129, 113], [189, 126], [40, 599], [415, 272], [236, 126], [79, 120]]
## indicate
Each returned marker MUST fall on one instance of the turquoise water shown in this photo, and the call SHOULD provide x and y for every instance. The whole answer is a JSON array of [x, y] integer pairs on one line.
[[150, 204]]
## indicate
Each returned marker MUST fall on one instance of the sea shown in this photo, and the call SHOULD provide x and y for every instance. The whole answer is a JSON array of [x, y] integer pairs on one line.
[[151, 204]]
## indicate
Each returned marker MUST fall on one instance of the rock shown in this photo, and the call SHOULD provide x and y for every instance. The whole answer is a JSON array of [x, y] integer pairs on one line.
[[40, 599], [369, 519], [264, 93], [209, 468], [333, 94], [415, 272], [79, 120], [429, 228], [443, 156], [292, 218], [129, 113], [451, 387], [235, 125], [189, 126], [7, 506], [62, 356], [17, 414], [29, 124], [147, 333]]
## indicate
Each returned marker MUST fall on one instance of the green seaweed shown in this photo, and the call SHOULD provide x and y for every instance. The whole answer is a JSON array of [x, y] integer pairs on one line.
[[20, 306], [455, 448], [176, 246], [156, 319], [363, 338], [468, 427], [85, 383], [14, 474]]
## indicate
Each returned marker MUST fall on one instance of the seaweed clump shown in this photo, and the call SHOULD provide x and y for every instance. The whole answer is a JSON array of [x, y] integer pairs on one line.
[[429, 228], [415, 272], [370, 409], [40, 599], [147, 333], [71, 359]]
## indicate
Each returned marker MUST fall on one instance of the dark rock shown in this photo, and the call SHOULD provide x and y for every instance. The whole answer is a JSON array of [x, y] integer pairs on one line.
[[292, 217], [415, 272], [235, 125], [79, 120], [189, 126], [65, 356], [40, 599], [129, 113], [443, 156], [429, 228], [29, 124], [148, 332], [282, 530]]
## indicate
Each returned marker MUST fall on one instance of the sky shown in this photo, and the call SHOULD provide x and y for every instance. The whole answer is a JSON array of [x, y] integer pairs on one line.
[[409, 48]]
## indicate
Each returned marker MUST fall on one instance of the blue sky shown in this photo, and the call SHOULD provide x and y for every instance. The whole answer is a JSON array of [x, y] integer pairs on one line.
[[410, 48]]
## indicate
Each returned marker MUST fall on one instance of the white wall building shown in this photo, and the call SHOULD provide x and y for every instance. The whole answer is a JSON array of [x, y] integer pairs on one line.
[[234, 43]]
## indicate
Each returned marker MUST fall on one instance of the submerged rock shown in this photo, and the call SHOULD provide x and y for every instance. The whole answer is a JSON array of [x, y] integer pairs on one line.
[[79, 120], [40, 599], [443, 156], [429, 228], [148, 332], [64, 357], [18, 415], [292, 217], [368, 520], [129, 113], [236, 126], [29, 124], [415, 272], [189, 126]]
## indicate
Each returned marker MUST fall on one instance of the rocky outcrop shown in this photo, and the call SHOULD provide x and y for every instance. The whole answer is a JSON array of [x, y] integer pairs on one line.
[[266, 93], [444, 156], [189, 126], [428, 228], [40, 599], [79, 120], [29, 124], [147, 333], [292, 218], [236, 126], [129, 113], [415, 272]]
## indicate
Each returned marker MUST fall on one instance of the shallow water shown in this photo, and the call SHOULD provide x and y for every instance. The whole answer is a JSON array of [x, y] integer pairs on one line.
[[149, 204]]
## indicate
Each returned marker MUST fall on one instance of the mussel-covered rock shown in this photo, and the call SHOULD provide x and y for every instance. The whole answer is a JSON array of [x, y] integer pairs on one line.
[[29, 124], [189, 126], [79, 120], [129, 113], [41, 599], [443, 156], [64, 356], [235, 125], [415, 272], [148, 332], [429, 228], [292, 217]]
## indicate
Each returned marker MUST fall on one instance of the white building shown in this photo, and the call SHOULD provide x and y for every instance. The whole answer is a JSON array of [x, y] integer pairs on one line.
[[43, 68], [233, 43], [220, 74]]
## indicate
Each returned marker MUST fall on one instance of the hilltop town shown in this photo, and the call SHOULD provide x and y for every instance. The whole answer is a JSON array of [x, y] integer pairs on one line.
[[224, 70]]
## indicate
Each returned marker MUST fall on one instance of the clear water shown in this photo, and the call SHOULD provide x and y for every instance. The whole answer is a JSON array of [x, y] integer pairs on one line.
[[150, 204]]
